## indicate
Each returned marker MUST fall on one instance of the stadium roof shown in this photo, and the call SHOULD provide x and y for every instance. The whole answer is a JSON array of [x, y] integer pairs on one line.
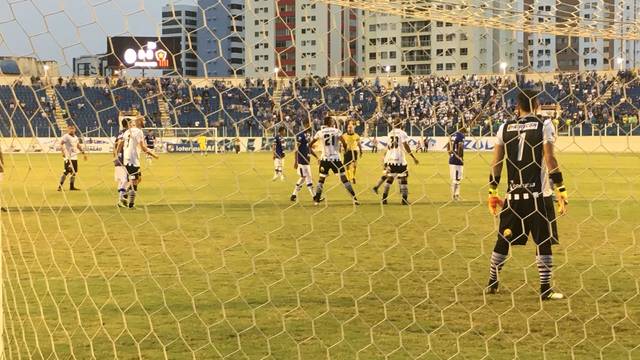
[[9, 67]]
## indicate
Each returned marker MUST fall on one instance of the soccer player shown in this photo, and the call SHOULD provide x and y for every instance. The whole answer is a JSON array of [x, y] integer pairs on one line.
[[278, 154], [132, 143], [526, 146], [351, 152], [120, 172], [302, 164], [71, 147], [202, 145], [455, 148], [374, 145], [396, 162], [236, 144], [331, 139], [150, 140]]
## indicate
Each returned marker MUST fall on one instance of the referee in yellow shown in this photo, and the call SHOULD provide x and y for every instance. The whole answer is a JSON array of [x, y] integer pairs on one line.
[[354, 148]]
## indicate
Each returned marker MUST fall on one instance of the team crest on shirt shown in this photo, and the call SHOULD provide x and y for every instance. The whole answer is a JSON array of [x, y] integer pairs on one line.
[[523, 127]]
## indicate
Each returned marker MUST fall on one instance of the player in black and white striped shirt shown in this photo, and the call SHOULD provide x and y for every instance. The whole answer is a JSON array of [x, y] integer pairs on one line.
[[331, 138], [395, 161]]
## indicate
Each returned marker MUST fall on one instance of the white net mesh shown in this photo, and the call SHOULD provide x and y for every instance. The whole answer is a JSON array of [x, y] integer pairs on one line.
[[603, 19], [217, 262]]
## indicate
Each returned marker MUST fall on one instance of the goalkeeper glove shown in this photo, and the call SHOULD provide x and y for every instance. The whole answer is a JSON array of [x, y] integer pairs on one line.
[[562, 199], [494, 202]]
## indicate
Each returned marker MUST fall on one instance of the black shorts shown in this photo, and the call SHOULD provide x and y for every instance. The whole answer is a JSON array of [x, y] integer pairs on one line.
[[333, 165], [350, 156], [528, 216], [133, 172], [397, 170], [70, 167]]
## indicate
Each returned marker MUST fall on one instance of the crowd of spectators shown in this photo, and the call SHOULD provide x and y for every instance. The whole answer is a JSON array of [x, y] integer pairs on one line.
[[249, 107]]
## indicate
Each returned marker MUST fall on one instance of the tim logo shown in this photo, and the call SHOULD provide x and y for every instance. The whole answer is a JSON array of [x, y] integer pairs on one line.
[[161, 58]]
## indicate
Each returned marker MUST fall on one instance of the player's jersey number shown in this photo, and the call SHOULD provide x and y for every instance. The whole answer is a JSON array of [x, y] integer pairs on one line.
[[393, 142], [521, 139], [329, 140]]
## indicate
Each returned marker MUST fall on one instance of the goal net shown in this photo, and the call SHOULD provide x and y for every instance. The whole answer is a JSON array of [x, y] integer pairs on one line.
[[225, 253]]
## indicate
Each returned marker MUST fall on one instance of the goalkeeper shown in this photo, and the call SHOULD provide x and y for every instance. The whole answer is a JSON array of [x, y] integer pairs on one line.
[[526, 146]]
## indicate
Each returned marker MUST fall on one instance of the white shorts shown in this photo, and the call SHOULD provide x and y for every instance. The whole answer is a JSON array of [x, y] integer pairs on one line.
[[120, 174], [456, 172], [304, 171], [278, 163]]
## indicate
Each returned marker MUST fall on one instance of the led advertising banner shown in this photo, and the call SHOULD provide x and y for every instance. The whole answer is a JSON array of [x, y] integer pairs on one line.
[[142, 52]]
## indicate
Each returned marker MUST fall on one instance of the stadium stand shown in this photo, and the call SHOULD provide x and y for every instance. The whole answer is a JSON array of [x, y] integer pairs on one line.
[[433, 106]]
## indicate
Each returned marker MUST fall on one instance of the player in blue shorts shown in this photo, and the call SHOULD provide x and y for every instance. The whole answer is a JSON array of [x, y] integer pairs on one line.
[[150, 141]]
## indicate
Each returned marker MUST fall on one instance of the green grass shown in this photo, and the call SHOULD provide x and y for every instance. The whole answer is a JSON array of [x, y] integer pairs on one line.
[[218, 263]]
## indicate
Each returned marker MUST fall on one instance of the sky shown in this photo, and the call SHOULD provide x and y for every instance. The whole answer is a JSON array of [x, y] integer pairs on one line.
[[63, 29]]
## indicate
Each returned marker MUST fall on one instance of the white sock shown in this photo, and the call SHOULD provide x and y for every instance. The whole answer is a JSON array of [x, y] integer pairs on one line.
[[297, 188]]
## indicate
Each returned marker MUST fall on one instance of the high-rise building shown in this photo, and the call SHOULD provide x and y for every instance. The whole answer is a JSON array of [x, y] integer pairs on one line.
[[627, 52], [90, 65], [508, 48], [221, 38], [399, 46], [548, 52], [181, 21], [300, 38]]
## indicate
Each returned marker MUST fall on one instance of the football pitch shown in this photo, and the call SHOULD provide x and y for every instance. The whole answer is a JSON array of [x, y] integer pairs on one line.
[[217, 262]]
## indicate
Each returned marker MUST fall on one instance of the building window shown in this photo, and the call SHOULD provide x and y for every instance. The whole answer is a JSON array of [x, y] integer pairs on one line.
[[439, 67], [463, 66]]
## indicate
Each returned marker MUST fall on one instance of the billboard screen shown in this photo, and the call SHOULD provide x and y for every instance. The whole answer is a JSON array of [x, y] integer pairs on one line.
[[137, 52]]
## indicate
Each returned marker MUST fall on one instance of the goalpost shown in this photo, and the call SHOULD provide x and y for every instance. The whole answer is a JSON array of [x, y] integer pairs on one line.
[[219, 261]]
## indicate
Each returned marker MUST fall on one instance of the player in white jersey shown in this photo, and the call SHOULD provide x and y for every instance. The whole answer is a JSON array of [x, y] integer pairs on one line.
[[331, 138], [132, 142], [396, 163], [71, 147]]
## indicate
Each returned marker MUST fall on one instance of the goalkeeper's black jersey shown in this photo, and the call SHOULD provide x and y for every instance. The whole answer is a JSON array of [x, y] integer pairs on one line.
[[523, 140]]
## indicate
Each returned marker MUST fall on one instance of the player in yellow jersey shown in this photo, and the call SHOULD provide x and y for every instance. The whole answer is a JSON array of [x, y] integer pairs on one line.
[[353, 149], [202, 144]]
